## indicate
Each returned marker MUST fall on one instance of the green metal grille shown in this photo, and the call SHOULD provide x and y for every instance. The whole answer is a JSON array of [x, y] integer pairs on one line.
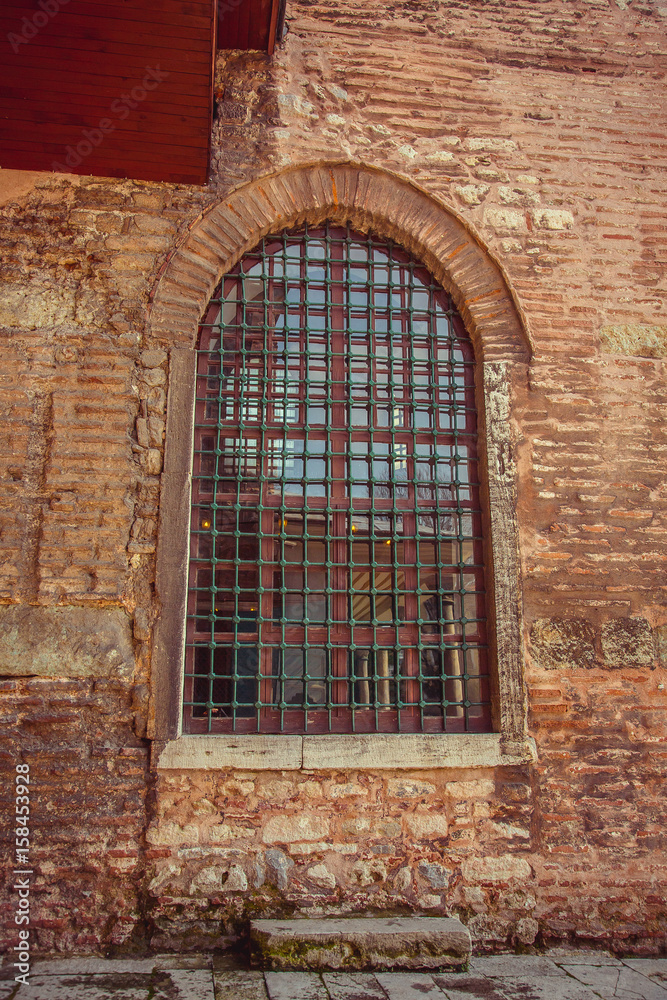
[[336, 575]]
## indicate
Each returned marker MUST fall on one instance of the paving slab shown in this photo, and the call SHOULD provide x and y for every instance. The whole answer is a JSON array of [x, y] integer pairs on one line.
[[171, 961], [109, 987], [409, 986], [295, 986], [571, 956], [184, 984], [93, 966], [468, 986], [498, 966], [360, 943], [654, 968], [545, 988], [353, 986], [236, 984], [621, 983]]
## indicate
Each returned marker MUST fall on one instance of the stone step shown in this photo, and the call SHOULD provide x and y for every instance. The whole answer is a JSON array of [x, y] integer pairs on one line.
[[360, 943]]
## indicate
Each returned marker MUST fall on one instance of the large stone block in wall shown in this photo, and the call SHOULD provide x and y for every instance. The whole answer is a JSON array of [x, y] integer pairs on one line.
[[33, 307], [628, 642], [562, 643], [635, 339], [65, 642]]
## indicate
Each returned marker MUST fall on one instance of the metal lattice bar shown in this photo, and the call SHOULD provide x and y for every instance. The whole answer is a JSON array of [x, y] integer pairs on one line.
[[336, 573]]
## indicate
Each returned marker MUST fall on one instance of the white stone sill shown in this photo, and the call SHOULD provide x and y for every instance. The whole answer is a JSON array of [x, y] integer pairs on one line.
[[372, 752]]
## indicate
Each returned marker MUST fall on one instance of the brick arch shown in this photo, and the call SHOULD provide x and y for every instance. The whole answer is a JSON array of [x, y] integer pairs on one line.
[[368, 198]]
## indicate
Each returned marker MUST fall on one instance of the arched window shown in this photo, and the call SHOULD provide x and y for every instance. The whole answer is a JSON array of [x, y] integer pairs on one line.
[[336, 579]]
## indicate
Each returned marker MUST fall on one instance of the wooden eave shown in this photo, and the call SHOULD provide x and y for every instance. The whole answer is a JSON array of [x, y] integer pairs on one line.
[[118, 89]]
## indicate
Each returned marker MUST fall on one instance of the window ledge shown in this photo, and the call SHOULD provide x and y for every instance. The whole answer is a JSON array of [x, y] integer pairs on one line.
[[372, 752]]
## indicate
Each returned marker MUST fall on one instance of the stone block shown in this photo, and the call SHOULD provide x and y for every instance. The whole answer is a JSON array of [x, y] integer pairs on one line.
[[546, 988], [490, 144], [151, 459], [426, 825], [369, 872], [195, 984], [403, 879], [208, 882], [610, 981], [553, 218], [506, 868], [276, 789], [295, 986], [142, 432], [581, 956], [504, 218], [409, 986], [471, 194], [346, 790], [627, 642], [462, 986], [168, 834], [76, 966], [405, 788], [389, 828], [236, 880], [527, 929], [65, 642], [654, 968], [155, 431], [237, 984], [320, 875], [430, 901], [500, 966], [360, 943], [435, 874], [288, 829], [641, 340], [74, 987], [229, 831], [279, 866], [33, 307], [310, 847], [562, 643], [483, 788], [353, 986]]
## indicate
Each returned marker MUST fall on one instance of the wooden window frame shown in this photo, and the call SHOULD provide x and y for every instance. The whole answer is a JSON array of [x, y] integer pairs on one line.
[[400, 351]]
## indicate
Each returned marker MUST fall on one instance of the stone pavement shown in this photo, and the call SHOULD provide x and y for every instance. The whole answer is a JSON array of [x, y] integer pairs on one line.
[[559, 975]]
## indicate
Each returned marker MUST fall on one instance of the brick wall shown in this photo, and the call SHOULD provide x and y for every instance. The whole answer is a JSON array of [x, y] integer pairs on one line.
[[541, 125], [89, 782]]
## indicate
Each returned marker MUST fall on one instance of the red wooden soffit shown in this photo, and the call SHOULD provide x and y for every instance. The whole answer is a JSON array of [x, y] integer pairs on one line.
[[116, 88], [250, 24]]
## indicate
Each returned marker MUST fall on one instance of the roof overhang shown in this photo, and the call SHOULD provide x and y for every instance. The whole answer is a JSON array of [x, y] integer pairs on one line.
[[119, 88]]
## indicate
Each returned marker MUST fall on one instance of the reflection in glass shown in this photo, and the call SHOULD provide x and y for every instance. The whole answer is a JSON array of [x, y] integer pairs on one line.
[[299, 677], [222, 676], [374, 673]]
